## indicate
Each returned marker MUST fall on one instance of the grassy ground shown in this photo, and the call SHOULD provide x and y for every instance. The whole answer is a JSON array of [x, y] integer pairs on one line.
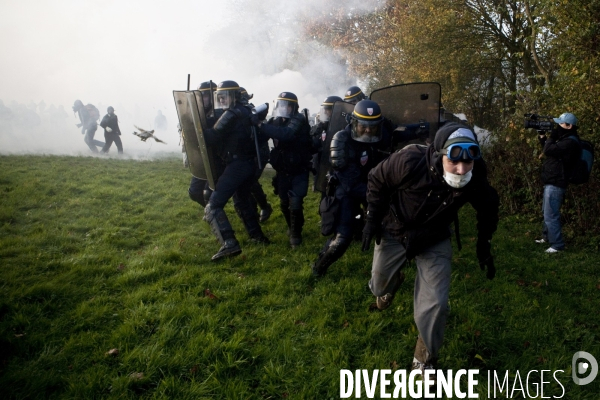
[[99, 254]]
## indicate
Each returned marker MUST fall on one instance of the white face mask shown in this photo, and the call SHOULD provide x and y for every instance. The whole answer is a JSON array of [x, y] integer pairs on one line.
[[457, 181]]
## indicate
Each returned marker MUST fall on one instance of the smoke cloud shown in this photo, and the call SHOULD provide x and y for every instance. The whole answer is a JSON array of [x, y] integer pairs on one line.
[[132, 55]]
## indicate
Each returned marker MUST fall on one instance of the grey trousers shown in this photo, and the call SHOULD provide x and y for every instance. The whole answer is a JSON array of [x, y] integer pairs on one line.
[[432, 286]]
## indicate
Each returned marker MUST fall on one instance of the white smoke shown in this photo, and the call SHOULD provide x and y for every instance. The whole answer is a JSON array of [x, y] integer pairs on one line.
[[132, 55]]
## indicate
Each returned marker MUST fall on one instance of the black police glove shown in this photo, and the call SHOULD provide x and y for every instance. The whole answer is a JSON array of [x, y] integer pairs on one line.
[[371, 230], [484, 255]]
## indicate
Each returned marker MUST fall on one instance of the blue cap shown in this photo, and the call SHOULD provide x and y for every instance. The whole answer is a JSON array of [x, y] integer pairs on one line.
[[566, 118]]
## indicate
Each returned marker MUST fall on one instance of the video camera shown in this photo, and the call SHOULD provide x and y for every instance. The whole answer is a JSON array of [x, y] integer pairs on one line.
[[539, 122]]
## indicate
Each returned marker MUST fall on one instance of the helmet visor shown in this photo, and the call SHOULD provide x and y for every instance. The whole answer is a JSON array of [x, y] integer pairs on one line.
[[325, 113], [366, 131], [284, 109], [206, 99], [224, 99]]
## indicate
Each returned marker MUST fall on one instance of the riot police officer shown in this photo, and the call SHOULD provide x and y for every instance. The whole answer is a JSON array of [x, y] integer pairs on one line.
[[231, 137], [290, 157], [258, 194], [354, 95], [354, 151], [318, 132]]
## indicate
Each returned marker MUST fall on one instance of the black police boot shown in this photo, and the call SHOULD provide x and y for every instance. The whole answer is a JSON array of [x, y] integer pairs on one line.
[[265, 213], [285, 210], [249, 216], [334, 249], [296, 224], [221, 228], [230, 248], [261, 199]]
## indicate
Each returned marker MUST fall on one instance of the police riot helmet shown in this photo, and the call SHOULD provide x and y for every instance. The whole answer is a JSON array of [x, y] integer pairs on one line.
[[205, 89], [244, 96], [226, 95], [366, 122], [354, 95], [327, 108], [286, 105]]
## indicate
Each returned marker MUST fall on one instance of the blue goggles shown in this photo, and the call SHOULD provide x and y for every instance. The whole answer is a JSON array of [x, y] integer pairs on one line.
[[462, 152]]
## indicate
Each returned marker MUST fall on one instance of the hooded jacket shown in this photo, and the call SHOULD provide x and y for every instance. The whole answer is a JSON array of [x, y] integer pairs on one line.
[[408, 193]]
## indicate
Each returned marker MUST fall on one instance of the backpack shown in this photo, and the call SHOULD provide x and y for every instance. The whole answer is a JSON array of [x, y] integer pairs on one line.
[[93, 112], [583, 166]]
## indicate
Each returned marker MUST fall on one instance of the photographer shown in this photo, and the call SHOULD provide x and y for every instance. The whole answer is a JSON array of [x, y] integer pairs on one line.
[[562, 152]]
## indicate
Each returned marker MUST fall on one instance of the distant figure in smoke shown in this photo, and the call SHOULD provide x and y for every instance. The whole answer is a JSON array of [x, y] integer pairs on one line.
[[160, 122], [88, 117], [110, 123]]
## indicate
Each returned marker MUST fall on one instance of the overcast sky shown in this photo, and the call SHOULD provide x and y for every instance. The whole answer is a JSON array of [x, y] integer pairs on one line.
[[132, 54]]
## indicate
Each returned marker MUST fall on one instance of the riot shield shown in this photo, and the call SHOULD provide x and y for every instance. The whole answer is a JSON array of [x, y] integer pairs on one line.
[[339, 119], [192, 120], [410, 106]]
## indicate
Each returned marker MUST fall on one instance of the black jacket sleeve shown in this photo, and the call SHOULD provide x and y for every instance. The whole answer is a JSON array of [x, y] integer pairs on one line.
[[221, 127], [485, 201], [284, 133]]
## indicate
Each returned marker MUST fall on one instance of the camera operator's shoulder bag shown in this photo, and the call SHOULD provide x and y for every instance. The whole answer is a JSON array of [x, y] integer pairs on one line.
[[583, 167]]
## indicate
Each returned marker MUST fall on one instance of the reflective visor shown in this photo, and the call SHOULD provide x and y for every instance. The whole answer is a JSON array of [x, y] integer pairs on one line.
[[462, 152]]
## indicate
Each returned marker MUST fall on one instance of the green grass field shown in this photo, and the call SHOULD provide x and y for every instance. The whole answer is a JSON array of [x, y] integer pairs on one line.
[[99, 254]]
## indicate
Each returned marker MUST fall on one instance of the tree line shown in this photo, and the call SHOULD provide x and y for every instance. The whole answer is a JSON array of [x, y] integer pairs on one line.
[[496, 61]]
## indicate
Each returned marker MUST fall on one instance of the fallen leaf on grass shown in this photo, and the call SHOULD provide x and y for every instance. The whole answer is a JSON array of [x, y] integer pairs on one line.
[[536, 284], [298, 322], [194, 369], [541, 360], [181, 242], [526, 344], [137, 376], [521, 282], [20, 334], [210, 294], [346, 324], [113, 352], [121, 267], [394, 365]]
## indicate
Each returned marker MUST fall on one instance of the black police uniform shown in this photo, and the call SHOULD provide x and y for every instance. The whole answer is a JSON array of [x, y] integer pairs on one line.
[[231, 136], [290, 157], [351, 162]]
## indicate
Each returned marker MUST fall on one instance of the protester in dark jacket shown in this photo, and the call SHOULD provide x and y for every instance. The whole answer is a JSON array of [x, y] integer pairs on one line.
[[413, 197], [561, 150], [112, 133]]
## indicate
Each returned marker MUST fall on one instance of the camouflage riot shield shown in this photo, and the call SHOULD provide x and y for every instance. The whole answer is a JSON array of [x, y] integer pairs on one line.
[[410, 106], [338, 121], [201, 160]]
